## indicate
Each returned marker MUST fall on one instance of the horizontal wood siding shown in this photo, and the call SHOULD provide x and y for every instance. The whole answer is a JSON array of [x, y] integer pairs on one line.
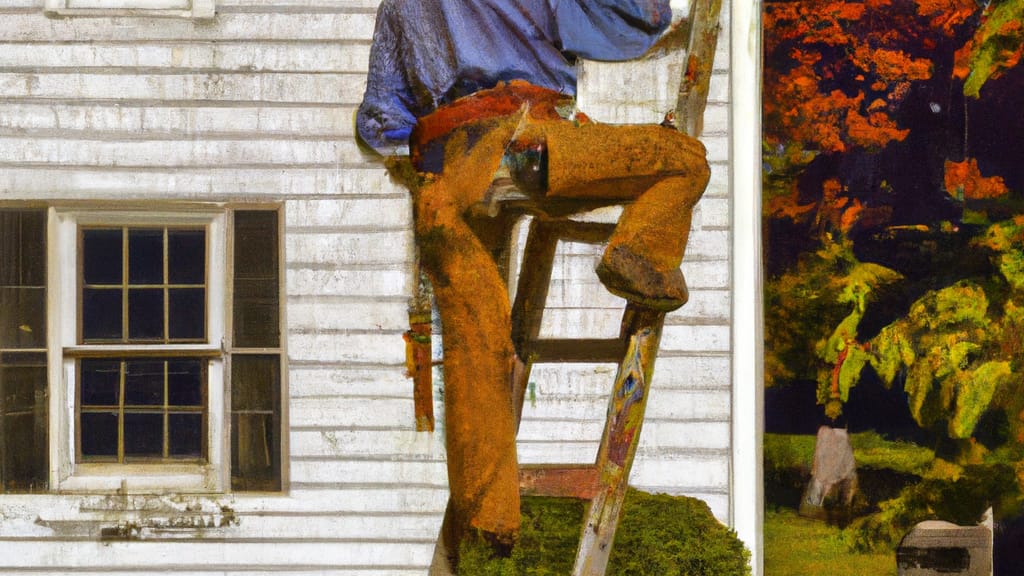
[[257, 106]]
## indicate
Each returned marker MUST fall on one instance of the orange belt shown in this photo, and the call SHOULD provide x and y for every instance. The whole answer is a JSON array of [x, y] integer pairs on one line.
[[426, 144]]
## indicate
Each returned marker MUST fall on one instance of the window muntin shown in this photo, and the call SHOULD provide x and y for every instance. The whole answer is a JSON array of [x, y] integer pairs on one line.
[[143, 285], [141, 409]]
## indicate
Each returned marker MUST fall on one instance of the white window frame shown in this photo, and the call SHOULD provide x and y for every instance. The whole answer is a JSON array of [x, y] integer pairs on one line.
[[66, 473], [197, 9]]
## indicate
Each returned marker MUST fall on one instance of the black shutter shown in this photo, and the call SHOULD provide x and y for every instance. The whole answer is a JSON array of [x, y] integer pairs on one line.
[[23, 392], [255, 352]]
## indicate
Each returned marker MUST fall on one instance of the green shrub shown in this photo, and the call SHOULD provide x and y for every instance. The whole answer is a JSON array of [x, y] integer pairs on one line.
[[960, 501], [658, 535]]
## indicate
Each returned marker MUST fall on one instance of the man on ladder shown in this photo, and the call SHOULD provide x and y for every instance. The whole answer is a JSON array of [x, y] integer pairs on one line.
[[464, 86]]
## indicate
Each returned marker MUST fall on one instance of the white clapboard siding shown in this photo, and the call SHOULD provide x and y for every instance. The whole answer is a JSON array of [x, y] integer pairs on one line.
[[120, 119], [171, 55], [248, 26], [258, 105]]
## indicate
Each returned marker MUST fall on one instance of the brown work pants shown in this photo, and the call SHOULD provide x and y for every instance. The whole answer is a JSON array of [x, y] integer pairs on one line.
[[658, 171]]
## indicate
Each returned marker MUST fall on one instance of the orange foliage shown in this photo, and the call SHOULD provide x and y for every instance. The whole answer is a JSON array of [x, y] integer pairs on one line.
[[964, 179], [892, 65], [874, 131], [789, 207], [948, 14], [850, 216], [835, 74]]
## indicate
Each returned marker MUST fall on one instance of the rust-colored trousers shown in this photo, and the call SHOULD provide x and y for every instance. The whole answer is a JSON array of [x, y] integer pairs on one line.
[[660, 174]]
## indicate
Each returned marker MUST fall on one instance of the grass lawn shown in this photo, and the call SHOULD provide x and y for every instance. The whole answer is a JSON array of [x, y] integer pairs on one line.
[[795, 546]]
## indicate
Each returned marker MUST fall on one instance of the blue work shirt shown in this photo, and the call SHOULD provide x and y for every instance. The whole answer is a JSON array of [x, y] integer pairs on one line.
[[427, 53]]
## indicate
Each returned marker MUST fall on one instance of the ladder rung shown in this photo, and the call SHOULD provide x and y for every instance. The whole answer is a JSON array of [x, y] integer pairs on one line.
[[560, 481], [576, 350], [586, 232]]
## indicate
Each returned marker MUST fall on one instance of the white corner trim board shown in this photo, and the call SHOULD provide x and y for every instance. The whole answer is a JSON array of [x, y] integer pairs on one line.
[[196, 9]]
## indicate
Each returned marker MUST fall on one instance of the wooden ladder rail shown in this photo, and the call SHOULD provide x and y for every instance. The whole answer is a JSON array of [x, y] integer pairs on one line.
[[635, 349], [606, 482], [642, 327]]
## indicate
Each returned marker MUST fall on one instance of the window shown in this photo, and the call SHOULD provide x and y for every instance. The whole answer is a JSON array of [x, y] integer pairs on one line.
[[162, 331], [173, 8], [23, 406]]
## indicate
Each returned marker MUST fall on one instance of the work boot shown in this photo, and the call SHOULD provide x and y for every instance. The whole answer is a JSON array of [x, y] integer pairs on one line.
[[634, 278]]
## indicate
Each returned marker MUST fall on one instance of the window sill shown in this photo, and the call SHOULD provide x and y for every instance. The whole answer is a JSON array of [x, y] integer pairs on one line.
[[142, 479], [187, 9]]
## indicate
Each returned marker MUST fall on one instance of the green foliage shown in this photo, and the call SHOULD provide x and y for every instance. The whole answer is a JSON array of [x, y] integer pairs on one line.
[[976, 389], [788, 451], [952, 375], [963, 302], [548, 538], [801, 306], [961, 501], [1005, 238], [843, 354], [782, 165], [658, 535], [668, 535], [849, 372], [892, 350], [870, 450], [996, 44]]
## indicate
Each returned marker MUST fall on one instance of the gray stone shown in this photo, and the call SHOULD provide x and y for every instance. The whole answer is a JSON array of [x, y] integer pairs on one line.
[[833, 475], [935, 548]]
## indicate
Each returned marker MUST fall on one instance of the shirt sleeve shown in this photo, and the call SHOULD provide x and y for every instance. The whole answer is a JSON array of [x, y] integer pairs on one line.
[[384, 120], [610, 30]]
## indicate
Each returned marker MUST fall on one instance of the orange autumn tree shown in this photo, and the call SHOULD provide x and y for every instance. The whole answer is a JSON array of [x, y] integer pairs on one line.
[[964, 181], [836, 71]]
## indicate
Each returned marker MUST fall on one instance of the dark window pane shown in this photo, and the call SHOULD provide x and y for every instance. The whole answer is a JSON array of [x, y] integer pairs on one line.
[[186, 256], [101, 256], [256, 422], [185, 383], [256, 316], [256, 321], [22, 248], [255, 382], [101, 314], [23, 422], [146, 256], [23, 459], [22, 317], [143, 435], [255, 452], [255, 243], [145, 313], [186, 435], [101, 381], [144, 383], [10, 248], [187, 314], [33, 248], [99, 433], [19, 385]]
